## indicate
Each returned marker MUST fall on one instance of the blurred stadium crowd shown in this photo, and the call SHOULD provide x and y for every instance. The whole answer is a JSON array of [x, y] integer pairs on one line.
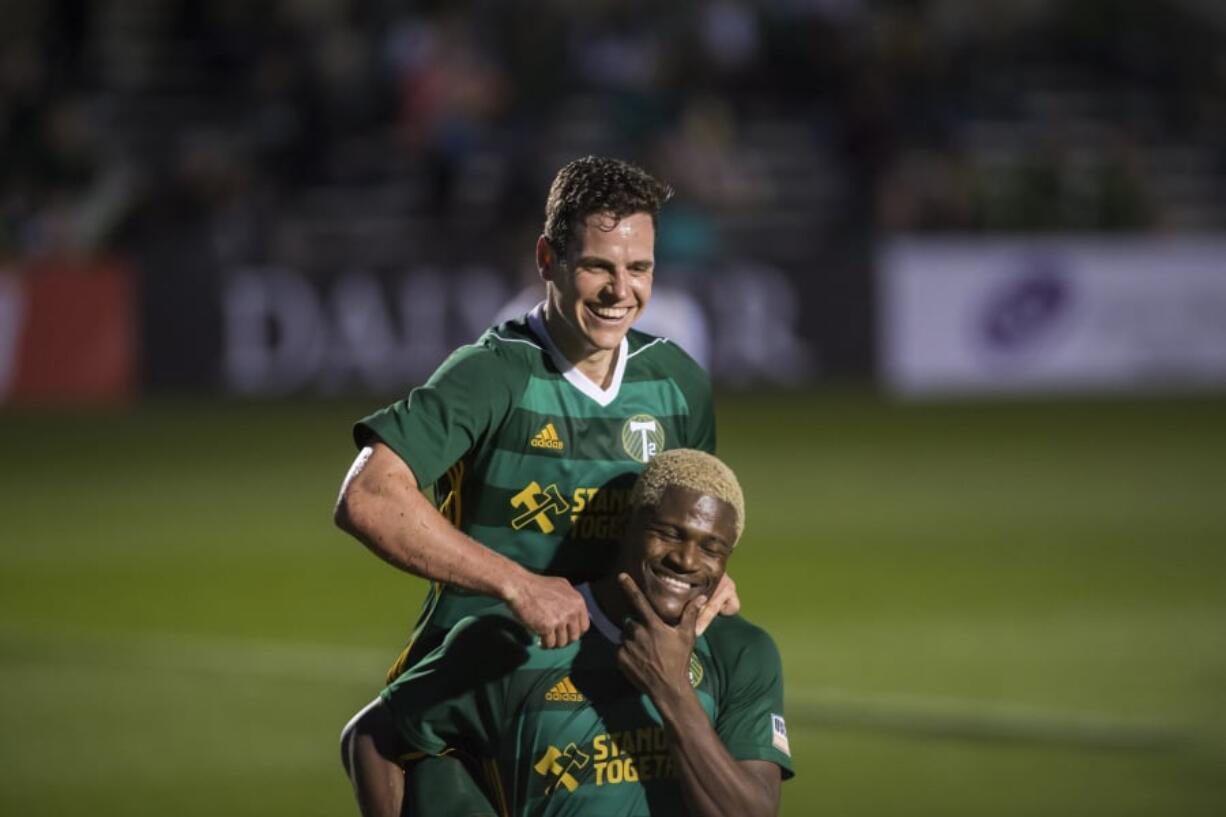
[[276, 129]]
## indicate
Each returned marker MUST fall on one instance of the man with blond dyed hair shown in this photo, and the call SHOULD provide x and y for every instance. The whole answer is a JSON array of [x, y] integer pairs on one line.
[[639, 716]]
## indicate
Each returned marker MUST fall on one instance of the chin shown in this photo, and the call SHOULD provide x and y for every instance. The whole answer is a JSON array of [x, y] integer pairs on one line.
[[669, 610], [605, 339]]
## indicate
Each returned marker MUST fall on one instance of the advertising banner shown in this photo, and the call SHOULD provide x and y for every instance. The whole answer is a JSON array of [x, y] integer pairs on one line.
[[285, 331], [1067, 314], [67, 333]]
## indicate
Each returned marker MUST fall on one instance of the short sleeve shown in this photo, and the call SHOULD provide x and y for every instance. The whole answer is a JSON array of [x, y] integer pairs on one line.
[[701, 424], [695, 385], [750, 720], [457, 695], [442, 420]]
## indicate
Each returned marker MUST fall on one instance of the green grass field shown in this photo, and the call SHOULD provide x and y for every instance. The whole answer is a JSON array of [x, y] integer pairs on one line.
[[994, 609]]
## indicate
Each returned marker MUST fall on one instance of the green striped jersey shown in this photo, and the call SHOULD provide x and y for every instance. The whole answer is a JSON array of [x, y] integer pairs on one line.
[[531, 458], [565, 733]]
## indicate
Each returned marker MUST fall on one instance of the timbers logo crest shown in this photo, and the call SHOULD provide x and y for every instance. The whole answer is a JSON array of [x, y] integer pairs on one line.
[[642, 437]]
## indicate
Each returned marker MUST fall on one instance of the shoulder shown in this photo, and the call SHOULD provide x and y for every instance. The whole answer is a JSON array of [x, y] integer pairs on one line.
[[737, 642], [495, 642], [512, 338], [655, 356], [659, 350], [505, 353], [488, 626]]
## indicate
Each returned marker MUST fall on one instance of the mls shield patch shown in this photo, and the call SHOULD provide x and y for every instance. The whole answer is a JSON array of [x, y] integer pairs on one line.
[[779, 734]]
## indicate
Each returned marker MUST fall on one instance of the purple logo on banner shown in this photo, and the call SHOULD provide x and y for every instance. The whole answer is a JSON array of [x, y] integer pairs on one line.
[[1026, 308]]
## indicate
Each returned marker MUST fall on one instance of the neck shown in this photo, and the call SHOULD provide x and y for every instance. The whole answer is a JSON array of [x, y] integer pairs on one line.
[[596, 365]]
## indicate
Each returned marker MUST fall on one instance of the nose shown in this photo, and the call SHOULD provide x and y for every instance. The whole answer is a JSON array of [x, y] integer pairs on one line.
[[619, 283], [684, 557]]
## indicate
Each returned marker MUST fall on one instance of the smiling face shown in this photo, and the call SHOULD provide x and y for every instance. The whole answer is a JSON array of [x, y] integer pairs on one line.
[[679, 549], [599, 289]]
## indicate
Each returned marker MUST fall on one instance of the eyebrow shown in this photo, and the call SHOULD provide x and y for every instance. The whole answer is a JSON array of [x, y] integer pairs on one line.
[[598, 261], [680, 527]]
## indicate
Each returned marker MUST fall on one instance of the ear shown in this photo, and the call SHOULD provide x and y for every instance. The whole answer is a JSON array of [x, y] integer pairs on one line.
[[546, 259]]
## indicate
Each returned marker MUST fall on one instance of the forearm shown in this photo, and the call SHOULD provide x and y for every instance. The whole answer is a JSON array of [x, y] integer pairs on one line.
[[410, 534], [382, 507], [713, 782]]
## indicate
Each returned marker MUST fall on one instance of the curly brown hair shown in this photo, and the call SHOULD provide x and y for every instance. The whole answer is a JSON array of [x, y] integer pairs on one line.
[[596, 184]]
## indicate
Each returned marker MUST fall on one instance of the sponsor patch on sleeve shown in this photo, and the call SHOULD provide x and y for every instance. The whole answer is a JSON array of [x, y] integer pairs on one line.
[[779, 734]]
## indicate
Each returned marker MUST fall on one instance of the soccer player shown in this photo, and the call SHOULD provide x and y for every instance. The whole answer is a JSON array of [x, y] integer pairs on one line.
[[640, 716], [530, 437]]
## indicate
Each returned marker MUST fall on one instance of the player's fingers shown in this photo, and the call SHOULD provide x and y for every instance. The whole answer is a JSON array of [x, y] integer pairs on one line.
[[579, 615], [691, 615], [637, 600], [730, 602], [572, 630], [558, 634], [564, 633]]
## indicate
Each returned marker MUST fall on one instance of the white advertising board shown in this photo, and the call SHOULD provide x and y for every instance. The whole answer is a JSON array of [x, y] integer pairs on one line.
[[1061, 314]]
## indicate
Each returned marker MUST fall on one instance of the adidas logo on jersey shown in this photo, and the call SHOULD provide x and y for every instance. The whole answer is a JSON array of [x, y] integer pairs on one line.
[[547, 437], [565, 691]]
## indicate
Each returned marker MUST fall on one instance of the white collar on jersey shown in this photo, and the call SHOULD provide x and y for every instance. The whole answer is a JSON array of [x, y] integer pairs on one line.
[[607, 628], [603, 397]]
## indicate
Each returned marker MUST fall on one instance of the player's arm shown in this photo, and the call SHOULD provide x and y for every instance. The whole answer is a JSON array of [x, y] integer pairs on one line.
[[381, 505], [656, 657], [455, 698]]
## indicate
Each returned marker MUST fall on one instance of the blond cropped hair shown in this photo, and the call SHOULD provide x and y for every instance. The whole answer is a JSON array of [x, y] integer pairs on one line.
[[693, 469]]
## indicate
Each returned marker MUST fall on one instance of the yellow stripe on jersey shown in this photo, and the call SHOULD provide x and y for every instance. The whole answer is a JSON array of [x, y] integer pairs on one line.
[[451, 507], [494, 779], [402, 659]]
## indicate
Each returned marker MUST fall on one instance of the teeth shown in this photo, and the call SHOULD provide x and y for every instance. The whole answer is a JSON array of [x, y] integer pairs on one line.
[[675, 584], [613, 313]]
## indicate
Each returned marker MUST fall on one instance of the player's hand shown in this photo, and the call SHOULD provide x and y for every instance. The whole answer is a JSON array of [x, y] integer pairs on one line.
[[550, 607], [654, 655], [724, 602]]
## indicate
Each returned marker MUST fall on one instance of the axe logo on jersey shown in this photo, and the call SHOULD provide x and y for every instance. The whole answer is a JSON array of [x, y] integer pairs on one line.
[[538, 505], [556, 766], [642, 437]]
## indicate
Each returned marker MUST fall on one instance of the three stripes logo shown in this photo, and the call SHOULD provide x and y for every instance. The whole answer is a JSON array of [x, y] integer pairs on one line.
[[564, 691], [547, 437]]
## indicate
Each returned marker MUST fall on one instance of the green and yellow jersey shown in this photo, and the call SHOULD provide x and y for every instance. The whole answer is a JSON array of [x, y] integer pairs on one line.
[[531, 458], [565, 733]]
